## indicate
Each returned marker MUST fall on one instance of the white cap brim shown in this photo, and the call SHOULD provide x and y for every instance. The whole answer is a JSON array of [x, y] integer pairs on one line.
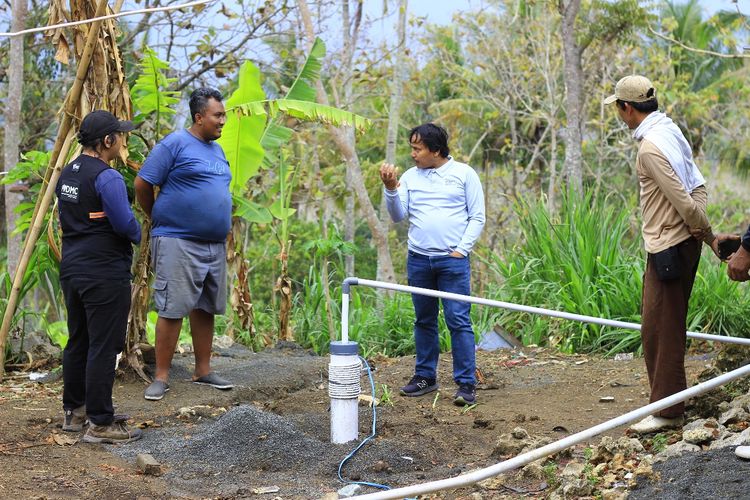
[[610, 99]]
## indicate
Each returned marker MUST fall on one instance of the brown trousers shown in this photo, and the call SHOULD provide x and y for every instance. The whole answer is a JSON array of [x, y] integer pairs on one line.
[[664, 324]]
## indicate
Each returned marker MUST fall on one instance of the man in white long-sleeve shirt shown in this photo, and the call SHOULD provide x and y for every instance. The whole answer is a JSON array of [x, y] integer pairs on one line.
[[444, 203]]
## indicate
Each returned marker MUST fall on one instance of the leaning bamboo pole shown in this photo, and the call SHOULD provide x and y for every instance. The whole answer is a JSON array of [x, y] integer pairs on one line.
[[62, 146]]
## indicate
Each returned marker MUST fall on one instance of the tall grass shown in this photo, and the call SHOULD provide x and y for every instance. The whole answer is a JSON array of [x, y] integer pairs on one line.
[[587, 260], [380, 325]]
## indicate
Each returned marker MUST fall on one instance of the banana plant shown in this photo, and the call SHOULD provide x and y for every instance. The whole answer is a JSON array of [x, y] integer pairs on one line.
[[150, 95], [154, 102], [253, 138]]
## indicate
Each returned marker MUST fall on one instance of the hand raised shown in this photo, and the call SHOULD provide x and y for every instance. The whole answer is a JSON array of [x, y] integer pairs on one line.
[[389, 176]]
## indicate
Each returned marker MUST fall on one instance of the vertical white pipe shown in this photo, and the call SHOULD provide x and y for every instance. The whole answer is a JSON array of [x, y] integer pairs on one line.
[[343, 388], [345, 318]]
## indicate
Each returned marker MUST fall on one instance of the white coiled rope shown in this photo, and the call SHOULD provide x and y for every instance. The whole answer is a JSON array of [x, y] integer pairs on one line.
[[343, 380]]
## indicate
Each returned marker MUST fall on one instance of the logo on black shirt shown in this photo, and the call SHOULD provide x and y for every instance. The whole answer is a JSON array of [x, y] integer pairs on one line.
[[69, 191]]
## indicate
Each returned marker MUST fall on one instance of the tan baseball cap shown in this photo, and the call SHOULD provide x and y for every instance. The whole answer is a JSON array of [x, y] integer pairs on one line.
[[633, 88]]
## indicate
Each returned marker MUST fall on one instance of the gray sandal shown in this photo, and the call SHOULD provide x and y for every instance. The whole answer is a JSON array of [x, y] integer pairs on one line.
[[156, 390], [214, 380]]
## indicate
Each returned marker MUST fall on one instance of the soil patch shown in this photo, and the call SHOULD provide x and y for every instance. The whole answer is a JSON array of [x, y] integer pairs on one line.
[[271, 433]]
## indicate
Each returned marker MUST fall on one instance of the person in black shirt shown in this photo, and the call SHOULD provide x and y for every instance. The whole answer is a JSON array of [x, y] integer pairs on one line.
[[98, 230]]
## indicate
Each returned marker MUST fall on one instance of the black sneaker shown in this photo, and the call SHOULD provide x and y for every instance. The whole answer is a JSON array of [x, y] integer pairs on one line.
[[419, 386], [465, 395]]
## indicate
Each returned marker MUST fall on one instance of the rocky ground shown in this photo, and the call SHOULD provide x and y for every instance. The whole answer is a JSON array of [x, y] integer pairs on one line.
[[269, 437]]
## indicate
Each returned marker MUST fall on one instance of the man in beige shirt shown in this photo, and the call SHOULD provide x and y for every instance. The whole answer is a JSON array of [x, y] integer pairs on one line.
[[673, 202]]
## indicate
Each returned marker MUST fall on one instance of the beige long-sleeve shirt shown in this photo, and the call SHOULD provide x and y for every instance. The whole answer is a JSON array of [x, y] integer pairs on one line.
[[669, 212]]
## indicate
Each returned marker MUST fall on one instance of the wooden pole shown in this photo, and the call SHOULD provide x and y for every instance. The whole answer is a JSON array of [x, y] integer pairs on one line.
[[62, 145]]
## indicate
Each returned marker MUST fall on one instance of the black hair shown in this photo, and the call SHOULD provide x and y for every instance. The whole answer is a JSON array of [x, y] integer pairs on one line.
[[199, 100], [433, 136], [644, 107], [95, 143]]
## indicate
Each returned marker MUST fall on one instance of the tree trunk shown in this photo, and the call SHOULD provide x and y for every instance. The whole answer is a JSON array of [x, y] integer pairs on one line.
[[552, 188], [240, 300], [284, 289], [344, 139], [394, 116], [13, 197], [573, 75]]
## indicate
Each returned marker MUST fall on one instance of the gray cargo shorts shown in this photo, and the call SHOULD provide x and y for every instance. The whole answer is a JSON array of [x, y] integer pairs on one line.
[[188, 275]]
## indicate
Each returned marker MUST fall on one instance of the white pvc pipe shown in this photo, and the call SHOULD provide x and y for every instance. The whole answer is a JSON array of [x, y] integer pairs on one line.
[[345, 317], [526, 309], [557, 446], [344, 410]]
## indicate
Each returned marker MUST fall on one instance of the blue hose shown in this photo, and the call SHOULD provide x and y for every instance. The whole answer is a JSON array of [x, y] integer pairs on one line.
[[365, 440]]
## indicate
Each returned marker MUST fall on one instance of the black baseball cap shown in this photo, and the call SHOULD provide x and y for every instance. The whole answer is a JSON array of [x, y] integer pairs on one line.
[[99, 124]]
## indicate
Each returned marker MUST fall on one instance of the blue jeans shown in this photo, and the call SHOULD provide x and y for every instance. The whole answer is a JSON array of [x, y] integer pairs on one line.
[[447, 274]]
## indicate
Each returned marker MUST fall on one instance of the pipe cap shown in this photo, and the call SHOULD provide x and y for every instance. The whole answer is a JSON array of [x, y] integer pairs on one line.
[[344, 348]]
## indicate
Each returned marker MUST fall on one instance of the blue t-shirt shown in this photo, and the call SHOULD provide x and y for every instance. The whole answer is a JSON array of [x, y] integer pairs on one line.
[[194, 202]]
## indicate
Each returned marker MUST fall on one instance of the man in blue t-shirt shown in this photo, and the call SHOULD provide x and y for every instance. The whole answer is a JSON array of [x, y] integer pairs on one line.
[[191, 218]]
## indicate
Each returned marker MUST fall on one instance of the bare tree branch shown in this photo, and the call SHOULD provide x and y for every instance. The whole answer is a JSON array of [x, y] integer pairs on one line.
[[697, 51]]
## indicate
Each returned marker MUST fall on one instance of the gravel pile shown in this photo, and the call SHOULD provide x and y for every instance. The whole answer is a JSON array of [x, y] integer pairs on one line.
[[247, 448]]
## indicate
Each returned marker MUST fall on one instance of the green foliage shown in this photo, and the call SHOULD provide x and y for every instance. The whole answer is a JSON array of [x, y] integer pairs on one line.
[[58, 333], [149, 93], [241, 135], [385, 395], [586, 261], [583, 261], [659, 443]]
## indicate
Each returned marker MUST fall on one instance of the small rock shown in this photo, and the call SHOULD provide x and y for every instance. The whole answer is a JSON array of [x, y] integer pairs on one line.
[[367, 400], [614, 494], [733, 415], [349, 490], [148, 464], [222, 342], [532, 472], [607, 399], [676, 450], [742, 402], [483, 423], [608, 448], [573, 470], [576, 489], [698, 436], [381, 466], [519, 433], [506, 445], [730, 439], [743, 452], [701, 423], [266, 489]]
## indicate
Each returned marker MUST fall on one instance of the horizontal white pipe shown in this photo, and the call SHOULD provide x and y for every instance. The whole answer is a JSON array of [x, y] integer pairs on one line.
[[528, 309], [557, 446]]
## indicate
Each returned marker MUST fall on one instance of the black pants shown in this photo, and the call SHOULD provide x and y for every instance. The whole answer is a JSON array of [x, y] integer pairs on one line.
[[97, 323]]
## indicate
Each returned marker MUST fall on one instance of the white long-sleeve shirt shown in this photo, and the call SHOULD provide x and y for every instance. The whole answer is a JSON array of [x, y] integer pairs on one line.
[[444, 205]]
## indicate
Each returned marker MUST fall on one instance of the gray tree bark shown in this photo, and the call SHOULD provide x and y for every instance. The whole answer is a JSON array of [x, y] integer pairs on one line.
[[573, 75], [343, 137], [13, 129], [394, 116]]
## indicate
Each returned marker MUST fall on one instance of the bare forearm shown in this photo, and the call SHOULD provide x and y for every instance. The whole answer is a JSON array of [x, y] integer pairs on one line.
[[144, 193]]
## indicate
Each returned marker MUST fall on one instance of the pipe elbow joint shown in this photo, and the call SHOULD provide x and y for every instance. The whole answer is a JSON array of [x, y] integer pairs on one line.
[[348, 283]]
